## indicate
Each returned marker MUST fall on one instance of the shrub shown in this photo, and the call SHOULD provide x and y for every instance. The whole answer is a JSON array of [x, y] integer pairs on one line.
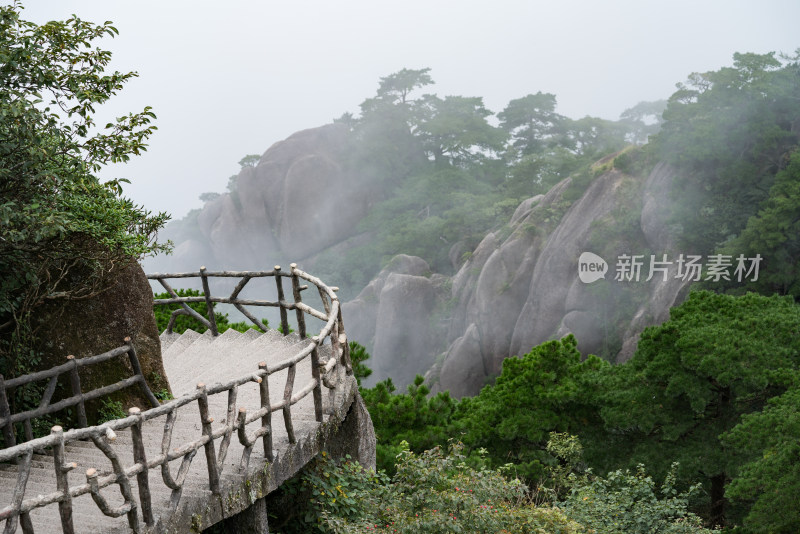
[[626, 502], [437, 492], [344, 490]]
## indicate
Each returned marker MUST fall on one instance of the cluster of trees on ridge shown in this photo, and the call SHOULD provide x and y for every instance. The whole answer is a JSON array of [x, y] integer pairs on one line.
[[445, 176]]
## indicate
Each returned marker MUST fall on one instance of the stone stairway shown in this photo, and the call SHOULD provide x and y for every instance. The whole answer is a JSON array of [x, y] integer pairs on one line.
[[189, 359]]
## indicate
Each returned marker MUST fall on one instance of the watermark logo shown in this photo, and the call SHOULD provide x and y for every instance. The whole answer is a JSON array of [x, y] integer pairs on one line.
[[591, 267], [635, 267]]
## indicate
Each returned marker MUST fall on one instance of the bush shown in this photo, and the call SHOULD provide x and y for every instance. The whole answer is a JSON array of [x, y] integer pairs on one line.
[[628, 503], [413, 417], [341, 489], [434, 492]]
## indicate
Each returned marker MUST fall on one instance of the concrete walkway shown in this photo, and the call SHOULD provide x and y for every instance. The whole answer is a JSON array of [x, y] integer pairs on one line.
[[190, 359]]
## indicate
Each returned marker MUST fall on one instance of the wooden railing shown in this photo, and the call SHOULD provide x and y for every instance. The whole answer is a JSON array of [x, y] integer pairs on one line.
[[245, 277], [238, 420], [78, 398]]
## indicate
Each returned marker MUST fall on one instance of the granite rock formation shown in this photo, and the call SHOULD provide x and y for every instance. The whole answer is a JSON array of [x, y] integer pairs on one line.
[[284, 209], [520, 287], [88, 327], [392, 318]]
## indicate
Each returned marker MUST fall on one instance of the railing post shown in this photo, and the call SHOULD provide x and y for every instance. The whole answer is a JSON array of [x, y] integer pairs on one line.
[[62, 481], [281, 300], [343, 340], [137, 370], [316, 376], [5, 412], [140, 457], [211, 455], [336, 350], [296, 289], [266, 419], [24, 471], [75, 382], [287, 402], [212, 320]]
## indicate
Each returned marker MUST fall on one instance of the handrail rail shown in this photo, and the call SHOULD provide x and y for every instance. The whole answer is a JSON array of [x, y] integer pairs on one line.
[[79, 398], [325, 373], [210, 322]]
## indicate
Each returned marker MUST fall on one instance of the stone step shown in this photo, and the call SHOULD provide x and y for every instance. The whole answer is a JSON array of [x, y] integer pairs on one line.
[[179, 344], [167, 339]]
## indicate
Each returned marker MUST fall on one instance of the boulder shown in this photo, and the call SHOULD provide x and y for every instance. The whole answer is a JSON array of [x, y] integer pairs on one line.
[[88, 327], [392, 317], [403, 334], [361, 312], [465, 374], [555, 269], [300, 199]]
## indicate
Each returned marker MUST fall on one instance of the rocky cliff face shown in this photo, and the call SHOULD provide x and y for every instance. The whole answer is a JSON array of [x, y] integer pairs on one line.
[[520, 287], [520, 291], [392, 316], [297, 201]]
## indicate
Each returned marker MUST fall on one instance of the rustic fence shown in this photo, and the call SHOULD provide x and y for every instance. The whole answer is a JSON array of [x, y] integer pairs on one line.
[[331, 340], [78, 398], [245, 277]]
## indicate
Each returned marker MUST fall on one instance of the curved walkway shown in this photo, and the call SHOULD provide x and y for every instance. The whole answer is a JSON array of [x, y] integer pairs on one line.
[[250, 411]]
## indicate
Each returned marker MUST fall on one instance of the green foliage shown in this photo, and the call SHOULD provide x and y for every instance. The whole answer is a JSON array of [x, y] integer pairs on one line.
[[161, 387], [443, 176], [65, 235], [578, 184], [438, 492], [359, 354], [643, 120], [569, 469], [592, 138], [250, 160], [434, 492], [532, 123], [328, 488], [548, 389], [774, 234], [455, 130], [684, 396], [431, 212], [692, 378], [535, 174], [110, 410], [770, 482], [625, 502], [413, 417], [185, 322], [622, 501]]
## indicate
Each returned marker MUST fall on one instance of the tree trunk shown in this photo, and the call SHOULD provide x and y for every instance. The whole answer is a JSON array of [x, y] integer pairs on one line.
[[718, 500]]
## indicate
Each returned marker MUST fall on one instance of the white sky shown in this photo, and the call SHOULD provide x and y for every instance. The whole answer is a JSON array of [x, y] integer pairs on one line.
[[231, 78]]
